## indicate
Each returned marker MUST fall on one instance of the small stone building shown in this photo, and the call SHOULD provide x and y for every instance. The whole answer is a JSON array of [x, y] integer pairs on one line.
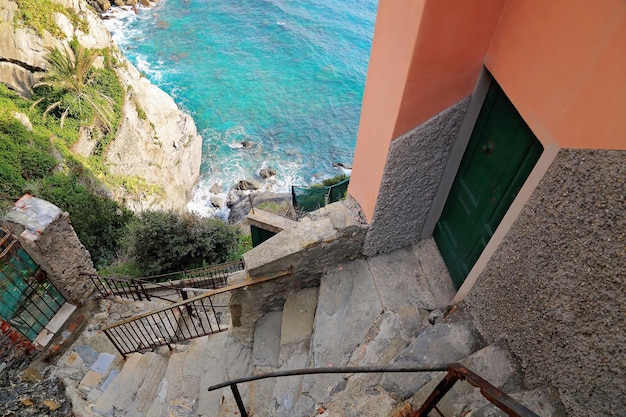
[[40, 261]]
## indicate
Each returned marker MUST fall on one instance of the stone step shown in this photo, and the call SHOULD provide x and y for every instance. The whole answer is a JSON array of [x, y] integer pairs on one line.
[[415, 276], [124, 381], [445, 342], [224, 358], [120, 396], [168, 384], [149, 386], [190, 370]]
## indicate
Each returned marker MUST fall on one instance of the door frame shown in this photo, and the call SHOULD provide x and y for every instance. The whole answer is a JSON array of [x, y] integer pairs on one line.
[[550, 151]]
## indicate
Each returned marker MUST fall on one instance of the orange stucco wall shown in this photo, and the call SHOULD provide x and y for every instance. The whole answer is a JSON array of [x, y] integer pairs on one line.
[[563, 65], [447, 57], [397, 24], [426, 56]]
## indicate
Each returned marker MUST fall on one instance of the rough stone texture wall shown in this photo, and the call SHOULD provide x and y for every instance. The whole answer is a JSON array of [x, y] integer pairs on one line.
[[555, 290], [326, 238], [164, 148], [45, 233], [250, 304], [413, 171]]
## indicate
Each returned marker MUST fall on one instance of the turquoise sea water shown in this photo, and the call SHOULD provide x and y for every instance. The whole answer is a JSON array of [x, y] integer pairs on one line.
[[286, 75]]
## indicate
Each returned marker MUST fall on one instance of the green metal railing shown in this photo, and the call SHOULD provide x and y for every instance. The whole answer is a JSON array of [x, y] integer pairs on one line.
[[28, 300], [316, 196]]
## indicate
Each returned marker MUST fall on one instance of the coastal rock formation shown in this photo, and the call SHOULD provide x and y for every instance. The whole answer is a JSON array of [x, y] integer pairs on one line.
[[102, 6], [247, 185], [267, 172], [155, 140], [163, 146]]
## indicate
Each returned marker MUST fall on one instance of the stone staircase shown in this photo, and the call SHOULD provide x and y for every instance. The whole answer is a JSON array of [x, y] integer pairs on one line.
[[375, 311]]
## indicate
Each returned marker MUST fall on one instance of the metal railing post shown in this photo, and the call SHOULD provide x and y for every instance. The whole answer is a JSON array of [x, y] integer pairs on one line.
[[184, 295], [438, 393], [242, 409]]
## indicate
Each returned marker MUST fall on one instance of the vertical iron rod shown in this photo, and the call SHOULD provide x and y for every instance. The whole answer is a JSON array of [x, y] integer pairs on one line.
[[242, 409], [135, 336], [214, 314], [145, 293], [185, 297], [112, 340]]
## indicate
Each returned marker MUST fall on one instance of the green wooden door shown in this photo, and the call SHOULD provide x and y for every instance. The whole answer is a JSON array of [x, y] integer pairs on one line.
[[500, 155]]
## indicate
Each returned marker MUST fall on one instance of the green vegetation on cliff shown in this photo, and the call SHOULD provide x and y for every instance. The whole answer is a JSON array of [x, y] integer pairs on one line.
[[35, 140], [38, 162], [37, 14], [74, 89], [72, 100]]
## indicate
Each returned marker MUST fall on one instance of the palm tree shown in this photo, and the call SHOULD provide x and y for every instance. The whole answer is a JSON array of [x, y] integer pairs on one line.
[[70, 71]]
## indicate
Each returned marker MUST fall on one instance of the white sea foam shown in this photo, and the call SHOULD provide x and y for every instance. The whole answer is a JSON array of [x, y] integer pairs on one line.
[[118, 23]]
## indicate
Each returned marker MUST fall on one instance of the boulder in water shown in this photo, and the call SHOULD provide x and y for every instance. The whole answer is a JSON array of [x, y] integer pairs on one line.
[[341, 165], [219, 200], [215, 188], [246, 144], [248, 185], [267, 172]]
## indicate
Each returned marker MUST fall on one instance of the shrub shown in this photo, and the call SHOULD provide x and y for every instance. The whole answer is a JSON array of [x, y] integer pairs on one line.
[[334, 180], [98, 221], [24, 156], [244, 244], [164, 241], [35, 163]]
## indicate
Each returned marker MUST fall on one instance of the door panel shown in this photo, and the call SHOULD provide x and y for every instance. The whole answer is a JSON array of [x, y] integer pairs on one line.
[[500, 155]]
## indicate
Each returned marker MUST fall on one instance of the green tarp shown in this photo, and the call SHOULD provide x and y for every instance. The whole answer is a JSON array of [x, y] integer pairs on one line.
[[312, 198]]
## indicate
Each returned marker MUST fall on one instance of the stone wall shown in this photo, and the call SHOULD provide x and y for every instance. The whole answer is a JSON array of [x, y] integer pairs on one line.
[[554, 292], [324, 239], [413, 171], [45, 232]]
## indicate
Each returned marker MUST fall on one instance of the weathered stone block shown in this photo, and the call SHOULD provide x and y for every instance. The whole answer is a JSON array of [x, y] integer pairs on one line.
[[45, 232]]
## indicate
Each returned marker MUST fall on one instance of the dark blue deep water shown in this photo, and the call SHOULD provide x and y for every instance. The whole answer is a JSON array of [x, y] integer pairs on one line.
[[287, 75]]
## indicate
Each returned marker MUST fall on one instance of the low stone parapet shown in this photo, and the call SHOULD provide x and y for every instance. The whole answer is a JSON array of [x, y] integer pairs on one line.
[[300, 254]]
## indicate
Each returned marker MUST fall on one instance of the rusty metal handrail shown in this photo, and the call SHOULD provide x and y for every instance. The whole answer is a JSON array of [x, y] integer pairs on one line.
[[143, 332], [456, 372], [175, 323]]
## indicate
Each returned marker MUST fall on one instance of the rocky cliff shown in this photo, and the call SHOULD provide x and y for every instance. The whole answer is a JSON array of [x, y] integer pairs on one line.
[[155, 140]]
